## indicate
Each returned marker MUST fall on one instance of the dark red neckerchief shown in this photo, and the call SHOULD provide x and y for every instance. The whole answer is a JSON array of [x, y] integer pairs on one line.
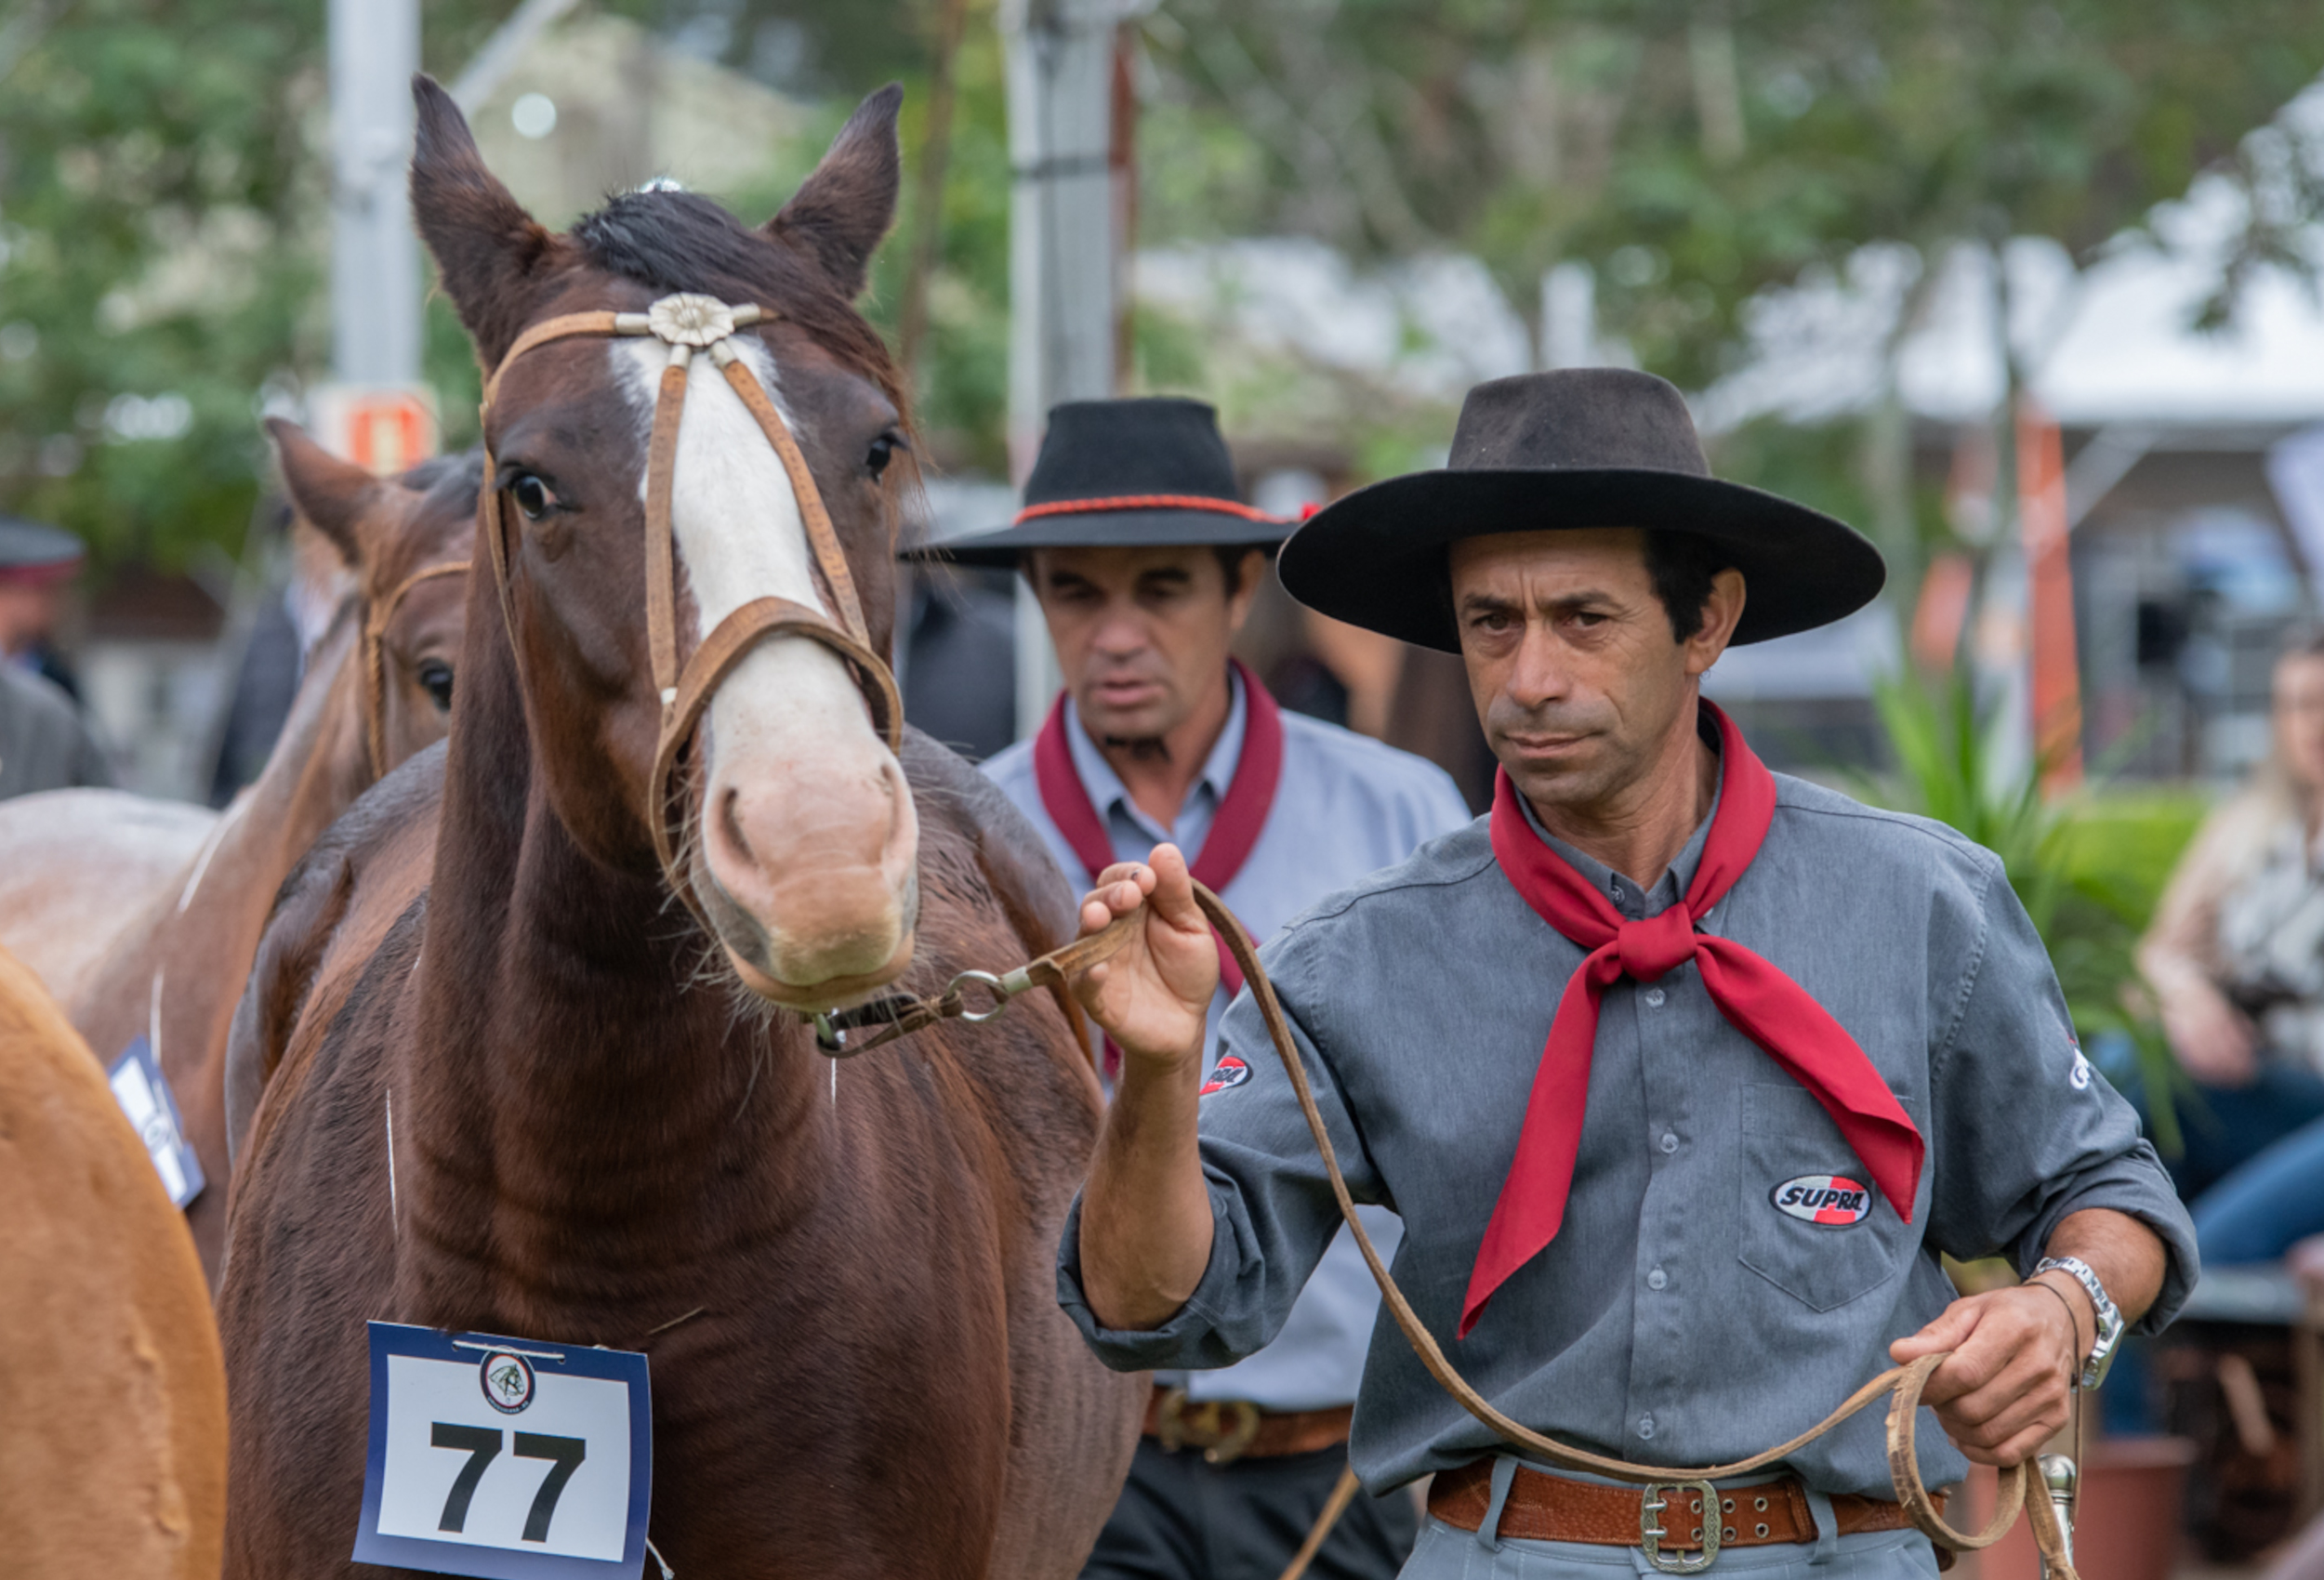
[[1242, 810], [1757, 999]]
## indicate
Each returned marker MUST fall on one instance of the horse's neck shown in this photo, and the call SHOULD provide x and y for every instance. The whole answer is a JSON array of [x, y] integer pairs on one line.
[[567, 1094], [315, 770]]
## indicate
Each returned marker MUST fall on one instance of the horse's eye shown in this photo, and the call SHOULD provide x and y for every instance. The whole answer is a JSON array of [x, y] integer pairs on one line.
[[435, 677], [883, 450], [532, 496]]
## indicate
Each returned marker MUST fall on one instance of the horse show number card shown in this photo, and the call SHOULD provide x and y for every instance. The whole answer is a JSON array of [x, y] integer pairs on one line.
[[144, 1095], [505, 1458]]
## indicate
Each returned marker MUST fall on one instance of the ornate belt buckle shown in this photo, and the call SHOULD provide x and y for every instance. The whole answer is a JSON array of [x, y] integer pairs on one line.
[[1652, 1502], [1202, 1423]]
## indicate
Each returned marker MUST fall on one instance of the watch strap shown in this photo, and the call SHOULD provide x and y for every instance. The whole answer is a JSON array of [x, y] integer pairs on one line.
[[2108, 1323]]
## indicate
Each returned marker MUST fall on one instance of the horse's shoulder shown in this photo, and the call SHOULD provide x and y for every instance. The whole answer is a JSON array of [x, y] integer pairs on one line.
[[334, 912]]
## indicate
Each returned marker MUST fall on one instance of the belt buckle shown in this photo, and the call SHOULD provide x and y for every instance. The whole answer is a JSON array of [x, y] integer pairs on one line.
[[1180, 1423], [1651, 1503]]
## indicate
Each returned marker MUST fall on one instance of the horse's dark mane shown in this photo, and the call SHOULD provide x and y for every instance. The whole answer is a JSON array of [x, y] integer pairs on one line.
[[680, 241]]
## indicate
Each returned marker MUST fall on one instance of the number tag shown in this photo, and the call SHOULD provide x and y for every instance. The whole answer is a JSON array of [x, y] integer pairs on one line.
[[505, 1458], [144, 1095]]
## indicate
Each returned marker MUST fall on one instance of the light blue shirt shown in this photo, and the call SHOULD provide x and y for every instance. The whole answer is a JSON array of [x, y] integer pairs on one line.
[[1345, 806]]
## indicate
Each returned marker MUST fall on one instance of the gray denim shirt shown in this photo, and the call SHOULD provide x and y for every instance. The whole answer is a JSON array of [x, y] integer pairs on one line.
[[1682, 1316]]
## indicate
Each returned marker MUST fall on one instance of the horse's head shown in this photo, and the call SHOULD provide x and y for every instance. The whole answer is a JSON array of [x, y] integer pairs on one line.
[[405, 542], [799, 842]]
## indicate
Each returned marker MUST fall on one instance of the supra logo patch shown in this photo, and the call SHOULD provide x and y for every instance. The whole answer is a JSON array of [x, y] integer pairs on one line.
[[1229, 1072], [1832, 1201]]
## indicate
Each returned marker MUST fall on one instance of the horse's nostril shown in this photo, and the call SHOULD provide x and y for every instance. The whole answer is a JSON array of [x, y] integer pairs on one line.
[[730, 821]]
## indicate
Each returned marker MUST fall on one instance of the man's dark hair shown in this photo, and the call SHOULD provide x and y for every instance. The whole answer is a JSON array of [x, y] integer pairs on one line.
[[1682, 566], [1231, 561]]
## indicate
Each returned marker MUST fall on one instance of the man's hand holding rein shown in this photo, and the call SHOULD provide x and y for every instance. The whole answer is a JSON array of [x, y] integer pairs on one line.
[[1145, 1215]]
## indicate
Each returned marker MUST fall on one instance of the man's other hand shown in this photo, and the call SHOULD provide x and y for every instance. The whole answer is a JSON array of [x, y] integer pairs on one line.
[[2005, 1389], [1153, 995]]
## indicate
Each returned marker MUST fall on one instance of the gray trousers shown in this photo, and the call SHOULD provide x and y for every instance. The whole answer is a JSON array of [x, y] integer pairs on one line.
[[1447, 1552]]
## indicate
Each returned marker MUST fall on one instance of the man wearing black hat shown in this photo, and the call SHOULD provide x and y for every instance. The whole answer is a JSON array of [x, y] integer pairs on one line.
[[1680, 1075], [1145, 563], [43, 745]]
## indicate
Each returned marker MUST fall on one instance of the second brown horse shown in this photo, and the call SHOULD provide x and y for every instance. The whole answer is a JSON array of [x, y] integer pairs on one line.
[[378, 688]]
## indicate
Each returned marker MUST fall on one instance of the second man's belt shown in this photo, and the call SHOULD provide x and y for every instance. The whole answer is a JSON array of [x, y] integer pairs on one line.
[[1228, 1429], [1543, 1507]]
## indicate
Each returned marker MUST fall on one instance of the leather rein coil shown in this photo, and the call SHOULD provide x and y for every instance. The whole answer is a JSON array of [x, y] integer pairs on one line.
[[687, 324], [1903, 1385]]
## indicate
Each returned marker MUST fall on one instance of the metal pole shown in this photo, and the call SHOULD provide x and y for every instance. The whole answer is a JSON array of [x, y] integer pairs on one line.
[[1062, 277], [375, 257]]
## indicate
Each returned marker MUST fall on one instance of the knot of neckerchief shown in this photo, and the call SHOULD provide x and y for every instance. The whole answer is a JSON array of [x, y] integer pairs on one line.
[[1758, 999]]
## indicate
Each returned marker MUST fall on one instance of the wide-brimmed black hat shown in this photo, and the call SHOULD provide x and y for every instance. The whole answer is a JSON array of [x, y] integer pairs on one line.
[[1129, 474], [1581, 447]]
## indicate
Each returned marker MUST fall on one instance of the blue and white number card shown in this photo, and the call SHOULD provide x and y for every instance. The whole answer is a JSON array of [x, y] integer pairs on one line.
[[144, 1095], [506, 1458]]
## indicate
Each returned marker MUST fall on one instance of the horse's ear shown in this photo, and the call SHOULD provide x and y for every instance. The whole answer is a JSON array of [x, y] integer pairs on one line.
[[839, 215], [489, 251], [335, 496]]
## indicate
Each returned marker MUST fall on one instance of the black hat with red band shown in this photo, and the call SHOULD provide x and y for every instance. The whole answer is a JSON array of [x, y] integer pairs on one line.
[[1127, 474]]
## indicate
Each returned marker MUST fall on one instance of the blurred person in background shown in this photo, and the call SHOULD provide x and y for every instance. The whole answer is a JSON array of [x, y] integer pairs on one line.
[[2235, 951], [1145, 562], [44, 744], [37, 564]]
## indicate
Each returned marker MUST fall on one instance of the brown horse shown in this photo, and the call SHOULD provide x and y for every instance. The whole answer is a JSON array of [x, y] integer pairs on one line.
[[77, 865], [113, 1463], [79, 869], [378, 688], [517, 1086]]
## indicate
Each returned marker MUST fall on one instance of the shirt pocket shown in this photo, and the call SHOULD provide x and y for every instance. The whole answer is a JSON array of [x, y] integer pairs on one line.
[[1813, 1224]]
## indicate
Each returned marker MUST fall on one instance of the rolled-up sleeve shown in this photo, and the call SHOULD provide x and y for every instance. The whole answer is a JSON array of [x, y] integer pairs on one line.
[[2026, 1130], [1272, 1212]]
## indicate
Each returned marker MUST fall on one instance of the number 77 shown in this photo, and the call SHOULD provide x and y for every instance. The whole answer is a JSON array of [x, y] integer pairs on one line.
[[482, 1445]]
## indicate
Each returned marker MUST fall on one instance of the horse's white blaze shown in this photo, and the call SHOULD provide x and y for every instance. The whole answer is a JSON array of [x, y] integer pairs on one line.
[[736, 520], [789, 716]]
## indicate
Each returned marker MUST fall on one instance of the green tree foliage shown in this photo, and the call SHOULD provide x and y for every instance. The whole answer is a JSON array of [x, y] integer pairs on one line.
[[1695, 153], [164, 211]]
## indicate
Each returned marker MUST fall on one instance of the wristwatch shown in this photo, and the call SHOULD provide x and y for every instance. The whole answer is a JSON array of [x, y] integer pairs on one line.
[[2109, 1317]]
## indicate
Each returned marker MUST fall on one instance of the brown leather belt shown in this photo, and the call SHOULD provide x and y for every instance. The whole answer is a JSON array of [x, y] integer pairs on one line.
[[1228, 1429], [1543, 1507]]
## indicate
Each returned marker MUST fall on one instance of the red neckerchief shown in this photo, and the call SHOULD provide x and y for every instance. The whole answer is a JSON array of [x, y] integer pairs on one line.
[[1234, 830], [1757, 999]]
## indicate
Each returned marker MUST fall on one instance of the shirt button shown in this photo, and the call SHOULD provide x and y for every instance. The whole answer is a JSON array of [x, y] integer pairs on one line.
[[1646, 1426], [1657, 1279], [1654, 998], [1670, 1141]]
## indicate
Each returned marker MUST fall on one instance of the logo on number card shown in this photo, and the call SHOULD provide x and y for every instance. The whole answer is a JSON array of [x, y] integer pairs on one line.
[[1229, 1072], [508, 1380], [1830, 1201]]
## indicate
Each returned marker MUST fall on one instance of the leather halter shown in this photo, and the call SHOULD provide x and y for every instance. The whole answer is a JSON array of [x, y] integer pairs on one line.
[[686, 323], [375, 662]]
